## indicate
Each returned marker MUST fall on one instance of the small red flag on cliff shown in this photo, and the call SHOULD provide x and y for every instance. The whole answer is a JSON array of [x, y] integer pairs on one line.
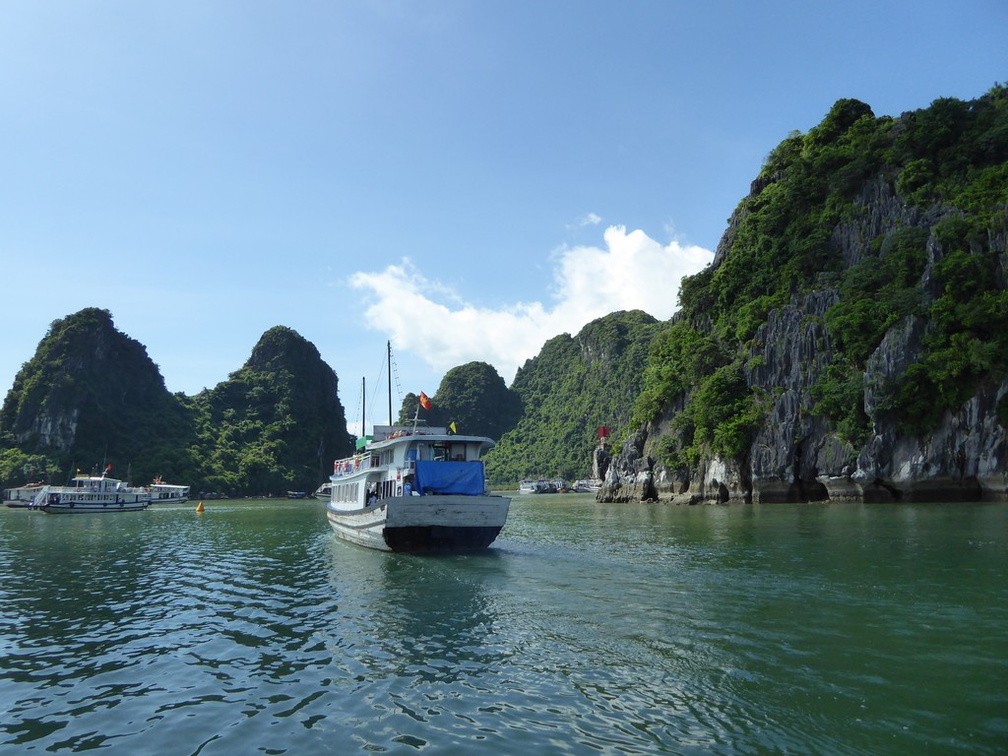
[[425, 401]]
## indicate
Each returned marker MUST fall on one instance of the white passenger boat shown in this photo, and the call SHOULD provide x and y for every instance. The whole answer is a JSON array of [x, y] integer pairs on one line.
[[167, 493], [416, 489], [92, 493], [324, 492], [22, 497]]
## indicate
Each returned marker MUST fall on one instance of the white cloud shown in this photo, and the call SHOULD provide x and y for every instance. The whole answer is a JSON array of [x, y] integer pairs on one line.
[[633, 271]]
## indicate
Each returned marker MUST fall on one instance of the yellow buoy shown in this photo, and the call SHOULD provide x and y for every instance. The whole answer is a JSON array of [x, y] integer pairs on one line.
[[199, 507]]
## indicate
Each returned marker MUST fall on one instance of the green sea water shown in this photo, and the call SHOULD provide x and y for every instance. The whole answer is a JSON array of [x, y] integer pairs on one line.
[[586, 629]]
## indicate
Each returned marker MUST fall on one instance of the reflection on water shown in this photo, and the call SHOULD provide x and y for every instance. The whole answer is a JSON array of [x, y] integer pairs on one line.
[[588, 628]]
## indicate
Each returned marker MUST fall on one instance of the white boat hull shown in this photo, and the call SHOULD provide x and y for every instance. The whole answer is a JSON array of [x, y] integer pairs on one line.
[[58, 505], [424, 523]]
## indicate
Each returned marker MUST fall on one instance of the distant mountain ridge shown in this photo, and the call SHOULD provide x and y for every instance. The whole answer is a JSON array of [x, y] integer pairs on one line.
[[91, 396]]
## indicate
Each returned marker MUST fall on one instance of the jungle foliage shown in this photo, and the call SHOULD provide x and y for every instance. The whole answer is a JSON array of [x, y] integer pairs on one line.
[[474, 398], [570, 389], [275, 425]]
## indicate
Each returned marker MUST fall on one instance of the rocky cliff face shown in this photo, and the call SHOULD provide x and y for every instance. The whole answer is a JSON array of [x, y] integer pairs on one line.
[[796, 454]]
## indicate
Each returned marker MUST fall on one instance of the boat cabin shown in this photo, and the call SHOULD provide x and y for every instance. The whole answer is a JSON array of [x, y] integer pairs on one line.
[[407, 461]]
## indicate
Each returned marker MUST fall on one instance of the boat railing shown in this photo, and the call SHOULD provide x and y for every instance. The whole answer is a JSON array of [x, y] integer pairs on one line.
[[351, 465]]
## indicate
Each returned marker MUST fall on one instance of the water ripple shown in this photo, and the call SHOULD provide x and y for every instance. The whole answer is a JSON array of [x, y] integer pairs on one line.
[[588, 630]]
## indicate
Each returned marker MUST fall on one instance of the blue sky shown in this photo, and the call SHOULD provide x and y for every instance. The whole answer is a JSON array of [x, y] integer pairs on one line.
[[467, 179]]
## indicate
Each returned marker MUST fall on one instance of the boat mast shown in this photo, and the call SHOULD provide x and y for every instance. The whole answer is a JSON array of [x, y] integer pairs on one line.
[[389, 382], [363, 414]]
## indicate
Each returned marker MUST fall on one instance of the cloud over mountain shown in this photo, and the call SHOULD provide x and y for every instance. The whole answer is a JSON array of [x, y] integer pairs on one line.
[[632, 271]]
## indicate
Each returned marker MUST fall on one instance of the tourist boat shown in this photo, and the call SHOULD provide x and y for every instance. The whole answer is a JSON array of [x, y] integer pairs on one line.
[[416, 489], [540, 486], [167, 493], [92, 493], [324, 492], [22, 497], [587, 485]]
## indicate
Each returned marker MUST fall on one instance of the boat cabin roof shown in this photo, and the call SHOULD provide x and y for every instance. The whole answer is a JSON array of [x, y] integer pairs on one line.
[[387, 433]]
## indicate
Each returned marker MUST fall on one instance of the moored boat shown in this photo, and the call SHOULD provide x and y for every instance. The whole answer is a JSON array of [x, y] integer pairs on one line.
[[587, 485], [167, 493], [416, 489], [22, 497], [540, 486], [92, 493], [324, 492], [527, 486]]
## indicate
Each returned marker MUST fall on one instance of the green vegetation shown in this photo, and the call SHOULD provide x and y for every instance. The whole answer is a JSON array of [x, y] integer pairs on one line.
[[570, 389], [720, 411], [275, 425]]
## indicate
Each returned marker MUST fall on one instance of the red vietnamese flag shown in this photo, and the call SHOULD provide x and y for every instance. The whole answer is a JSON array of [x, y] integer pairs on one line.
[[425, 401]]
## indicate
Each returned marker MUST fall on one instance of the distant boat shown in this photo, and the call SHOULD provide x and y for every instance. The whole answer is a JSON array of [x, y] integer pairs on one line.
[[540, 486], [527, 486], [92, 493], [297, 494], [167, 493], [416, 489], [587, 485], [324, 492]]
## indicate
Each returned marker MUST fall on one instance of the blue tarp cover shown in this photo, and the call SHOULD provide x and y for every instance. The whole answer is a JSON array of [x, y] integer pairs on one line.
[[449, 478]]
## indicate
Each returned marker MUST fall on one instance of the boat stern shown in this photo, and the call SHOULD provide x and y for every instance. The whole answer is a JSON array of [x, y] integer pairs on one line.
[[425, 524]]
